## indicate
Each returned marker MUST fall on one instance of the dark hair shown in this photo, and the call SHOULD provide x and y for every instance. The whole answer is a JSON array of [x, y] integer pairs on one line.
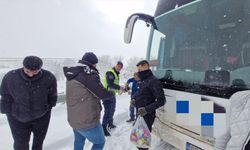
[[32, 62], [136, 74], [143, 62], [119, 63]]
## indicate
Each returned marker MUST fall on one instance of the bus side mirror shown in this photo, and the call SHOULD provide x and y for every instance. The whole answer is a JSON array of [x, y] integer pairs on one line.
[[129, 27]]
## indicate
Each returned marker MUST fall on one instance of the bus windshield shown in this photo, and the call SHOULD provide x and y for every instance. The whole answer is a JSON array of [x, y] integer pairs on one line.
[[203, 47]]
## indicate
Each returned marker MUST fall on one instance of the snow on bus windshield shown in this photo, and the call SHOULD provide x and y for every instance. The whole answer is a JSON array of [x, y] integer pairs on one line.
[[204, 42]]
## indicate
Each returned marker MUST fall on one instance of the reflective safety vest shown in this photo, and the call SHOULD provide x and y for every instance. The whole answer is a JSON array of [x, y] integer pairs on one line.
[[116, 81]]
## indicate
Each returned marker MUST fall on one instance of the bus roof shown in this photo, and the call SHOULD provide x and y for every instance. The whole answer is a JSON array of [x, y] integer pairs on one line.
[[167, 5]]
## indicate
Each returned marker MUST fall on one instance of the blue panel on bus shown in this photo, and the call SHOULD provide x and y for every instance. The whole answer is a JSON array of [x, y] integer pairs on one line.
[[207, 119], [182, 106]]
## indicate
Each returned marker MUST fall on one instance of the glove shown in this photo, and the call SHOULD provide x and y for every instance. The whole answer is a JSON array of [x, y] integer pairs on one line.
[[132, 102], [126, 89], [142, 111], [121, 90]]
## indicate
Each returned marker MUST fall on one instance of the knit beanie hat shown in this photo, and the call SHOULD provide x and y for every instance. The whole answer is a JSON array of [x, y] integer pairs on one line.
[[90, 58]]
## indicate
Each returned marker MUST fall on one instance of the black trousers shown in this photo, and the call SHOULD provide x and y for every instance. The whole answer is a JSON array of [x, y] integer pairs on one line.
[[21, 132], [109, 111], [149, 119]]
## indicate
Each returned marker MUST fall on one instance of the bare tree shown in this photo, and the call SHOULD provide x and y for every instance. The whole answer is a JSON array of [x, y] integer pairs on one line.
[[105, 62], [130, 68]]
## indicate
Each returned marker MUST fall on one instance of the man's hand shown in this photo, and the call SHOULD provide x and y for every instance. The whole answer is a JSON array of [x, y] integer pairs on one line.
[[142, 111], [121, 90], [126, 88], [129, 92]]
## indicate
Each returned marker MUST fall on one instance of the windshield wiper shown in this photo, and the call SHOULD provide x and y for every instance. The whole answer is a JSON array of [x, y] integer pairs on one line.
[[173, 84], [203, 89]]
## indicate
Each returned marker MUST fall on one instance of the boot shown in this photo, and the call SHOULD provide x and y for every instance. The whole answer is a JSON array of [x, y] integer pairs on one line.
[[130, 120], [106, 132], [111, 125]]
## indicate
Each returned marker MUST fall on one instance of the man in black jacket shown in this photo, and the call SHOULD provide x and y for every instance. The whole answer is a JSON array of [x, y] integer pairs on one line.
[[27, 96], [149, 96]]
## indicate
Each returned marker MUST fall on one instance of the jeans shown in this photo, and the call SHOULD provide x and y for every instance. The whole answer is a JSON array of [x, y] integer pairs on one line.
[[109, 111], [132, 110], [21, 132], [94, 135]]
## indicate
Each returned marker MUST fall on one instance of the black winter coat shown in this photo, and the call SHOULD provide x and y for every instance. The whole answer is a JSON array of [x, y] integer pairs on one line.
[[27, 98], [150, 93]]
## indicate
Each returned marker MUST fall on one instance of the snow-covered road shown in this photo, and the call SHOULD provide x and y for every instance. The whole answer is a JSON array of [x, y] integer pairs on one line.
[[60, 135]]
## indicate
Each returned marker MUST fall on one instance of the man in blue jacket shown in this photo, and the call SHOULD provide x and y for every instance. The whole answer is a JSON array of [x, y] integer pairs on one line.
[[27, 97], [134, 89]]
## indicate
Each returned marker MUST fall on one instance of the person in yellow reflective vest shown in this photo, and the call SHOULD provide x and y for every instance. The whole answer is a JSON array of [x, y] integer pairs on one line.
[[111, 82]]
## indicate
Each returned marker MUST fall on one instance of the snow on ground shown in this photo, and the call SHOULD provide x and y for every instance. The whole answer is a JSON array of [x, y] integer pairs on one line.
[[60, 135]]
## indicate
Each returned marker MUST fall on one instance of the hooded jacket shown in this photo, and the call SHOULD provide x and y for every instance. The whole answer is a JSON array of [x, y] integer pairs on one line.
[[238, 123], [83, 94]]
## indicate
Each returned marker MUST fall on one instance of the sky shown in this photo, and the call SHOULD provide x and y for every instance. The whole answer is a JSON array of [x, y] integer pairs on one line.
[[68, 28]]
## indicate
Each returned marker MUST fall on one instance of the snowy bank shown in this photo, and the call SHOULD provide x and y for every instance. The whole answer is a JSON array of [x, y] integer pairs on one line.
[[60, 135]]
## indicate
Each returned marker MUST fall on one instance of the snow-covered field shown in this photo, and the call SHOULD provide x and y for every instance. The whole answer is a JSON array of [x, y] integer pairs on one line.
[[60, 135]]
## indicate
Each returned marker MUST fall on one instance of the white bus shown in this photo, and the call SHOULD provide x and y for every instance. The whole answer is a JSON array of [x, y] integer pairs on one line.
[[200, 50]]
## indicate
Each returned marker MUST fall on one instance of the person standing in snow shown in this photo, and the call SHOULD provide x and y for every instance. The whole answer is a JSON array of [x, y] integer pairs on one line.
[[237, 133], [27, 97], [149, 96], [134, 89], [111, 83], [84, 92]]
